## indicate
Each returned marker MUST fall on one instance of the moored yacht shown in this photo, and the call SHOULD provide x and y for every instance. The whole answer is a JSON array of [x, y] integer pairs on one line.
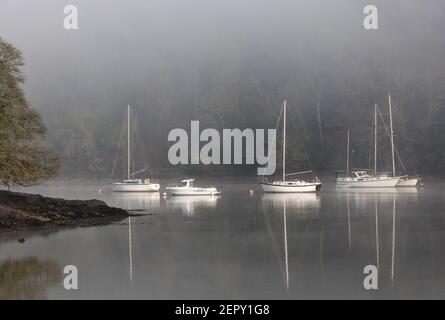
[[187, 188], [361, 179], [135, 185], [289, 185], [129, 184]]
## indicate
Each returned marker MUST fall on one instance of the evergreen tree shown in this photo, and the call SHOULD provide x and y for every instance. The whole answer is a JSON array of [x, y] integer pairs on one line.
[[23, 159]]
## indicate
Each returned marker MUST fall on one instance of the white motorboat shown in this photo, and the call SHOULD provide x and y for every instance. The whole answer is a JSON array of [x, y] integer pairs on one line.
[[187, 188], [133, 185], [289, 186]]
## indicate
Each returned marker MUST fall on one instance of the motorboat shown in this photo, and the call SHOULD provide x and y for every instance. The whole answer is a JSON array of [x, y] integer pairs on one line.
[[187, 188]]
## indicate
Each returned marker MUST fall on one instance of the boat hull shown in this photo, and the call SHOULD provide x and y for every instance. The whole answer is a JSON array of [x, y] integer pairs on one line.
[[303, 188], [194, 191], [131, 187], [389, 182], [410, 182]]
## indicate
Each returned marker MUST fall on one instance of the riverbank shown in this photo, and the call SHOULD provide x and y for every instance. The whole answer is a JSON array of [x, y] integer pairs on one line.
[[23, 211]]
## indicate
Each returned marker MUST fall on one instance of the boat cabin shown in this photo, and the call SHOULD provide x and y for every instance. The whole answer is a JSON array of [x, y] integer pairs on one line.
[[361, 174], [187, 183], [341, 175]]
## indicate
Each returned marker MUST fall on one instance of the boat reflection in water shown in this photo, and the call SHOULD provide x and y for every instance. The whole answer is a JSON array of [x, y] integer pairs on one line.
[[382, 207], [303, 206], [366, 191], [303, 203], [191, 205], [134, 202], [138, 201]]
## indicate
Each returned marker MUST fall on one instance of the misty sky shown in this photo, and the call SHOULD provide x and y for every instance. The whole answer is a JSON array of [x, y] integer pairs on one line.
[[120, 44]]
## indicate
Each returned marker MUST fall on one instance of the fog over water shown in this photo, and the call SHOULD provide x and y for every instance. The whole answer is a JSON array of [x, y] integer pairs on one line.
[[230, 64]]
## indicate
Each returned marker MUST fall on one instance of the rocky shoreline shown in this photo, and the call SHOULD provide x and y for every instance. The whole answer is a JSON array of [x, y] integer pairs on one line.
[[23, 211]]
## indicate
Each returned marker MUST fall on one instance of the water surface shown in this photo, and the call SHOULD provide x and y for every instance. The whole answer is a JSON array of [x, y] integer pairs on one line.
[[239, 246]]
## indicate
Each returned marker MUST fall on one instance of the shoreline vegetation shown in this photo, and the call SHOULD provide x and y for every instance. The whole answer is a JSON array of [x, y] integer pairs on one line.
[[24, 160], [29, 212]]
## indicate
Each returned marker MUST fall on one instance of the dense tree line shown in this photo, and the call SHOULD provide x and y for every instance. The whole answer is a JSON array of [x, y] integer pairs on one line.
[[323, 106]]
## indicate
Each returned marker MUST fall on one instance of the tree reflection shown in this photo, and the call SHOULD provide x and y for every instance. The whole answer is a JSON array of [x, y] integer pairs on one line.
[[27, 278]]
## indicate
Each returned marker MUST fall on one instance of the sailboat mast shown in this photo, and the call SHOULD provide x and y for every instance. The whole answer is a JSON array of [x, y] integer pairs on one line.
[[128, 143], [284, 140], [392, 137], [347, 157], [375, 139]]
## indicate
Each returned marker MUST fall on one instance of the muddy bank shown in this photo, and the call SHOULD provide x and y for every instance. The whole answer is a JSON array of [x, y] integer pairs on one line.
[[22, 211]]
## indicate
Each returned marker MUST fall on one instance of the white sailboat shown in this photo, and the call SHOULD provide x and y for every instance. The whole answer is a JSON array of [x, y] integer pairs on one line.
[[405, 181], [361, 178], [187, 188], [133, 185], [289, 186]]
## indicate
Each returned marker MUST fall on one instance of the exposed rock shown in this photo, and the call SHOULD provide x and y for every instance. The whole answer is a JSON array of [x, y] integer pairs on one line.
[[22, 211]]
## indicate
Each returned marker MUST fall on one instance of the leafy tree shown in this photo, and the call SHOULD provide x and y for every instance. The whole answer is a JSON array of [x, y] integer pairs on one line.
[[23, 159]]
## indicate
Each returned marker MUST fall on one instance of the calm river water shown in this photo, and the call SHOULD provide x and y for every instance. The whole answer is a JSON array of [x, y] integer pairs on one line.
[[239, 246]]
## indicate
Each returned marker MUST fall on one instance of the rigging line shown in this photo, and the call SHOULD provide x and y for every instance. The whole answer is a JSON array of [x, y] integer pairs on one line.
[[273, 142], [132, 141], [142, 153], [387, 131], [141, 149], [306, 154], [298, 173], [371, 145], [117, 151], [138, 147], [137, 172]]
